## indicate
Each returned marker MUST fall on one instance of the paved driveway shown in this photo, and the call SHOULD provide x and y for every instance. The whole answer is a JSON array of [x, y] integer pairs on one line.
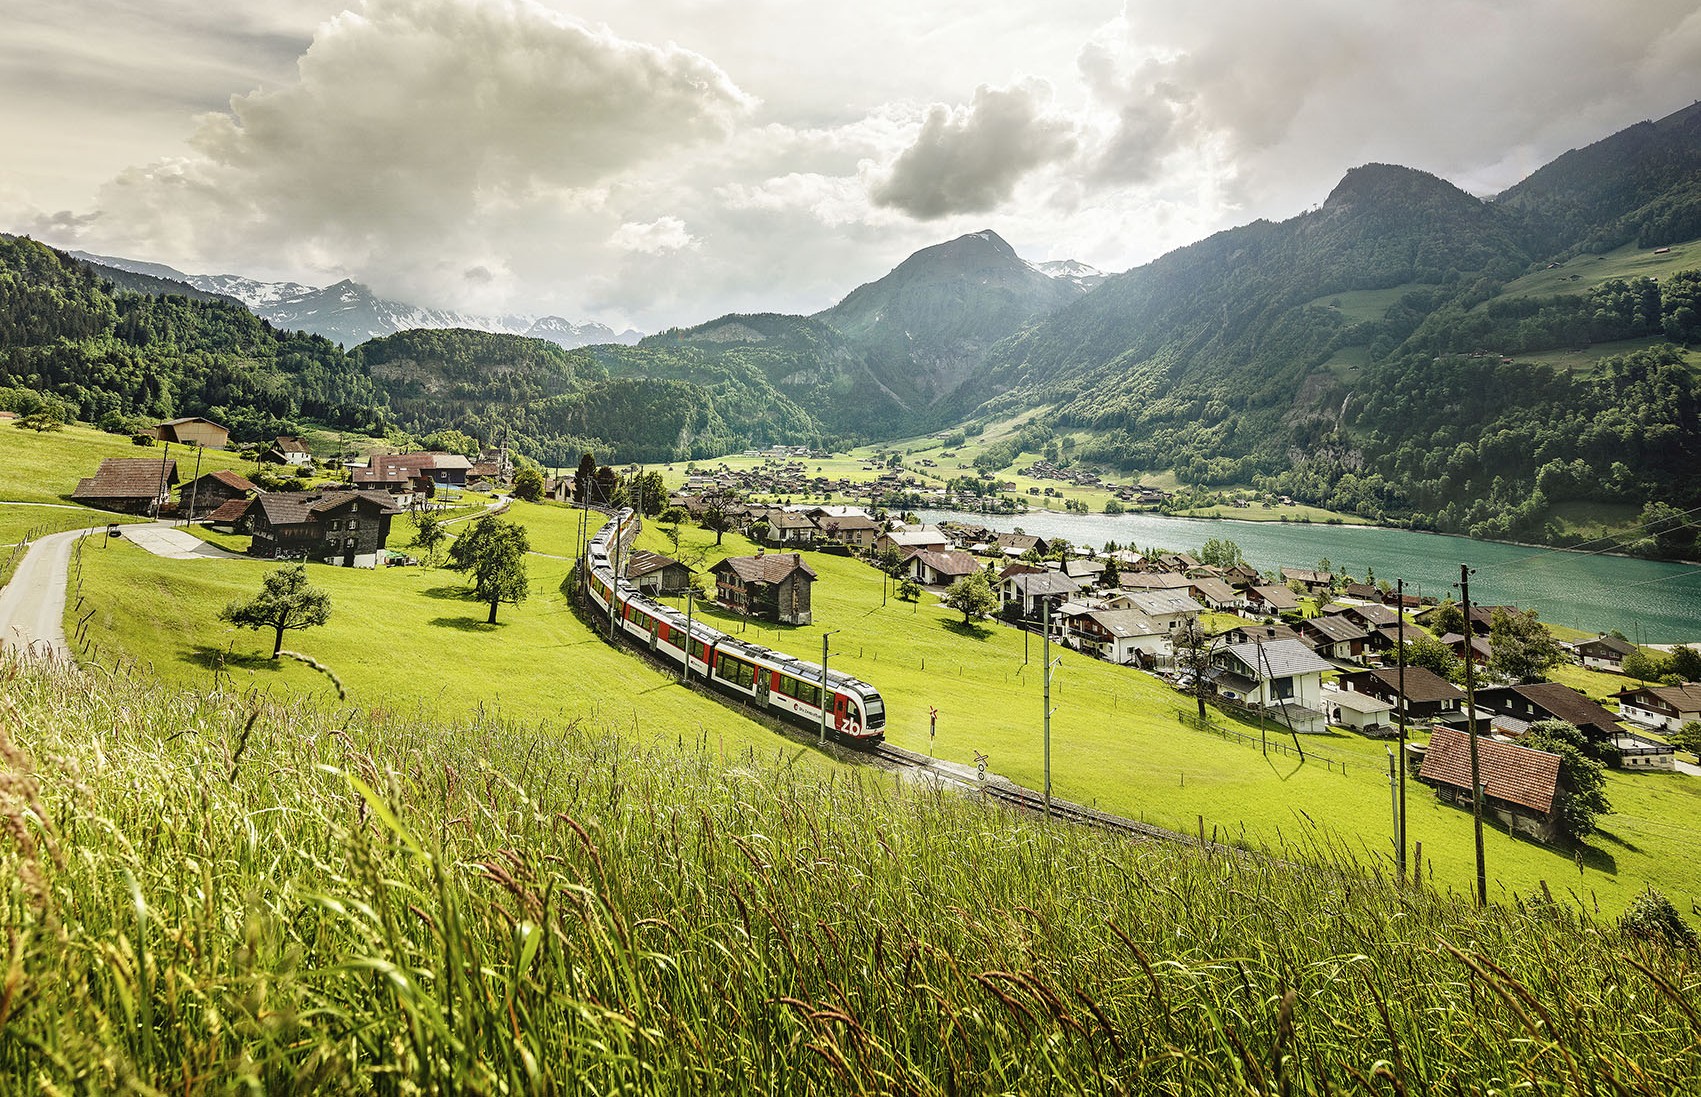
[[174, 544]]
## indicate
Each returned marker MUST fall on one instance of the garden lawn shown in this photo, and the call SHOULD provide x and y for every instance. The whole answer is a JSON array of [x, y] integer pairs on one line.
[[1118, 740], [406, 640]]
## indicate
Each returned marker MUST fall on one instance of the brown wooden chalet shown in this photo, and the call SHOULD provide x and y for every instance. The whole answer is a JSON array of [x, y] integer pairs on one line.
[[336, 527], [1523, 705], [1519, 784], [653, 573], [200, 497], [1334, 636], [775, 586], [402, 472], [1428, 695], [195, 431], [129, 485]]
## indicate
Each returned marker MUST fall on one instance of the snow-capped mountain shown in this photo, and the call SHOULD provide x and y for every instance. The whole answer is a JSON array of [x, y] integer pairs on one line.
[[350, 313], [1071, 270]]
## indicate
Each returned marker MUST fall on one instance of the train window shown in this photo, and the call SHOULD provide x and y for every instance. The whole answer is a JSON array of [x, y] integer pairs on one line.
[[876, 712], [674, 636], [736, 671]]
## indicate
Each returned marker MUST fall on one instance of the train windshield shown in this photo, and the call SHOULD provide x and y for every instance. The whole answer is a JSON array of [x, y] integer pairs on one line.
[[875, 710]]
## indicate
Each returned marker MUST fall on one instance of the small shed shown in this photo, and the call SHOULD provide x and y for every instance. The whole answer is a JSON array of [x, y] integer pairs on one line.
[[1519, 785]]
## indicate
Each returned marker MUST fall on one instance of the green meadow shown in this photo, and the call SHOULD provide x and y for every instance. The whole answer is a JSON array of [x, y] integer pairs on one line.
[[408, 640]]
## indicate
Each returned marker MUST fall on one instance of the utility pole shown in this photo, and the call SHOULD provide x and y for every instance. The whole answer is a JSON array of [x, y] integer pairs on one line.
[[1471, 729], [194, 487], [824, 694], [161, 491], [1400, 815], [1049, 666], [685, 668]]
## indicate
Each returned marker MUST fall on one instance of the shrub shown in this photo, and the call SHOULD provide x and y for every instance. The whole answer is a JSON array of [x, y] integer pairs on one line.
[[1652, 918]]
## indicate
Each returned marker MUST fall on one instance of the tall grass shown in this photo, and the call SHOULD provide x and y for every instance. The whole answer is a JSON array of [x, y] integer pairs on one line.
[[208, 892]]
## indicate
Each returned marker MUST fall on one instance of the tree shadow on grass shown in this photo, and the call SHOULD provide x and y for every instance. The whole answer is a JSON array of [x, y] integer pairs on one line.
[[446, 593], [1622, 843], [973, 630], [468, 624], [1596, 858], [216, 659]]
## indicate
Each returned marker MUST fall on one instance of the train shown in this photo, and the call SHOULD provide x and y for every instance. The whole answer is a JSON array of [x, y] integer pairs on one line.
[[784, 685]]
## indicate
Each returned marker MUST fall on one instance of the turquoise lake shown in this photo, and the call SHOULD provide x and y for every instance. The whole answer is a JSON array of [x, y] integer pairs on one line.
[[1649, 601]]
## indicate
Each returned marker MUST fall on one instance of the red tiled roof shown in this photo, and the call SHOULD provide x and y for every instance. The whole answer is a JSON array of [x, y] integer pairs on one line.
[[230, 511], [127, 478], [1517, 775]]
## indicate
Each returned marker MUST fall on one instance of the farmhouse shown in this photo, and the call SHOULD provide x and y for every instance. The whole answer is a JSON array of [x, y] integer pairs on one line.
[[787, 527], [1665, 708], [286, 450], [1218, 594], [1603, 652], [855, 529], [193, 431], [1273, 600], [405, 472], [1119, 635], [1035, 590], [1428, 696], [200, 497], [1283, 675], [771, 585], [910, 541], [336, 527], [932, 568], [1334, 637], [1520, 706], [129, 485], [1168, 609], [1519, 784]]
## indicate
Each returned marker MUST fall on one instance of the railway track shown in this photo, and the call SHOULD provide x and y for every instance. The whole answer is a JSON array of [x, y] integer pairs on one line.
[[1026, 799]]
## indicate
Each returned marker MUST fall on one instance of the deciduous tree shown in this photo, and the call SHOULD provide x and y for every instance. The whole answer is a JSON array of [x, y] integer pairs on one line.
[[1581, 796], [1523, 649], [493, 556], [528, 485], [286, 601], [972, 596]]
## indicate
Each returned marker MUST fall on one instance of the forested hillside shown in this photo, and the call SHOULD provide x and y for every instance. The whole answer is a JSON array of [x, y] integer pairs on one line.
[[109, 357]]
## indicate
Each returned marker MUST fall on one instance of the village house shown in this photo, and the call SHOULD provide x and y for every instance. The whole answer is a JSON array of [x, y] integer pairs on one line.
[[1283, 676], [1519, 785], [1428, 696], [193, 431], [1663, 708], [857, 529], [775, 586], [1334, 637], [1272, 600], [129, 485], [1155, 580], [787, 527], [655, 574], [1168, 609], [1086, 572], [1516, 707], [1387, 639], [1371, 615], [1314, 582], [336, 527], [938, 567], [286, 450], [1217, 594], [1603, 652], [1123, 636], [910, 541], [1480, 647], [1035, 591], [402, 473], [202, 496], [1015, 544]]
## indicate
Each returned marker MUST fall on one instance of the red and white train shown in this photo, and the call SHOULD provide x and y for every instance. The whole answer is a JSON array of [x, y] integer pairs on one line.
[[783, 684]]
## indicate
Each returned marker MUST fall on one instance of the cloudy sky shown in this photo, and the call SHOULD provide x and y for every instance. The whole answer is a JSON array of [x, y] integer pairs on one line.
[[659, 162]]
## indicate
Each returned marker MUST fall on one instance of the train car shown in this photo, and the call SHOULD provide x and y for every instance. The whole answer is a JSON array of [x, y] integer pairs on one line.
[[783, 684]]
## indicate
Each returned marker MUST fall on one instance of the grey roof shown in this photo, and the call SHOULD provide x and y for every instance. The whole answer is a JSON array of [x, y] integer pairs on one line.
[[1334, 629], [1124, 622], [1159, 602], [1044, 583], [1357, 702], [1280, 658], [1215, 590]]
